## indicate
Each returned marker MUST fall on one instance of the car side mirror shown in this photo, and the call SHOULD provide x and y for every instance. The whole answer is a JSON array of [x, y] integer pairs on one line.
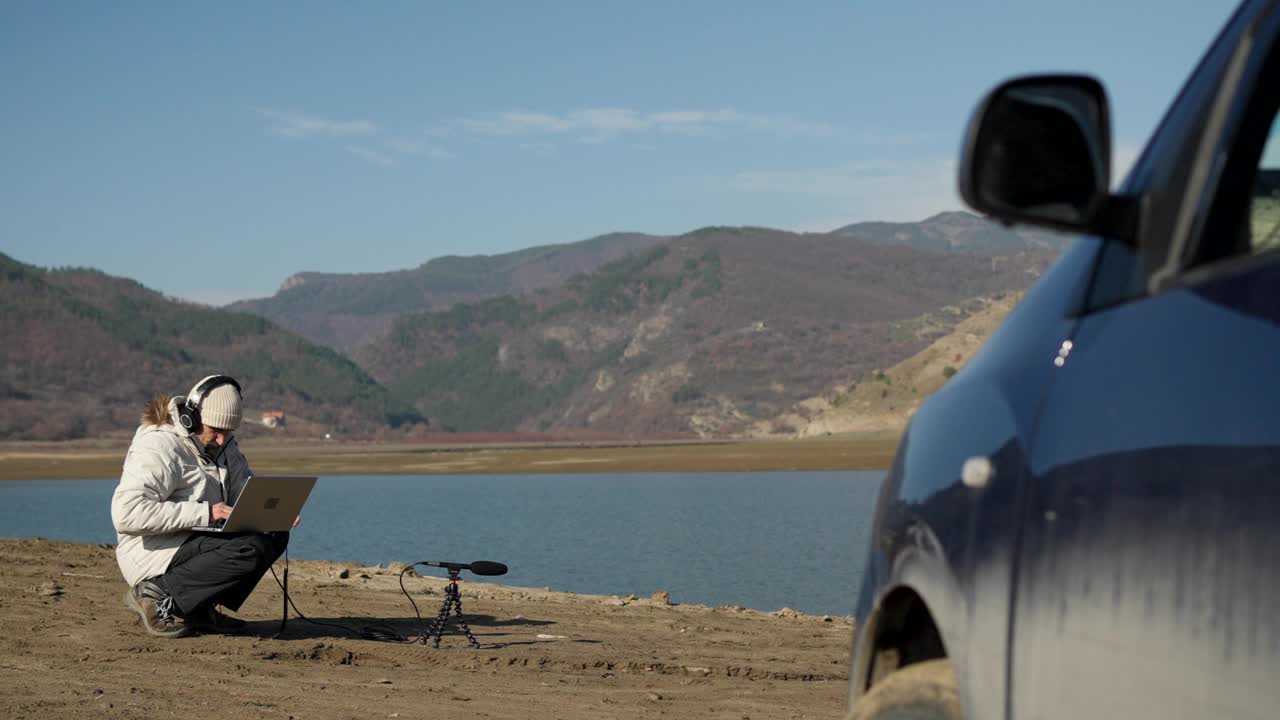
[[1038, 151]]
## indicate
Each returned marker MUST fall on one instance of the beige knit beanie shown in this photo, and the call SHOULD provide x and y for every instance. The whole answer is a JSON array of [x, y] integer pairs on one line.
[[221, 408]]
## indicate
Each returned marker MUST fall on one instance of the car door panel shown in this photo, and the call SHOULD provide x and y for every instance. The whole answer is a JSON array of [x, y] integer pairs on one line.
[[1149, 582]]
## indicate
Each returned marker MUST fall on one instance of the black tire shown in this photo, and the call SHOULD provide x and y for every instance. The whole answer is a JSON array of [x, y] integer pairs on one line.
[[923, 691]]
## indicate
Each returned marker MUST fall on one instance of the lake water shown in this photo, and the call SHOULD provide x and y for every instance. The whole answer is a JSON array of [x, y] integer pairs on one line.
[[761, 540]]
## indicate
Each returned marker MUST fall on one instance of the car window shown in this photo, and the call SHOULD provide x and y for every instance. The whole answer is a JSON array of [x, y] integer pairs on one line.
[[1264, 211], [1245, 217]]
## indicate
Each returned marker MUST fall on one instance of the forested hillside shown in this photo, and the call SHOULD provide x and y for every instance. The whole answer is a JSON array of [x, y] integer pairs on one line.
[[81, 352]]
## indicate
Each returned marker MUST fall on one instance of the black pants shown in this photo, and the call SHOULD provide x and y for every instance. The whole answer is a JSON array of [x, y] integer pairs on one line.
[[220, 569]]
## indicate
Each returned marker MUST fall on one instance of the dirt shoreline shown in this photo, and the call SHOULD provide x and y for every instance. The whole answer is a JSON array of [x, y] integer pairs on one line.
[[73, 650], [103, 458]]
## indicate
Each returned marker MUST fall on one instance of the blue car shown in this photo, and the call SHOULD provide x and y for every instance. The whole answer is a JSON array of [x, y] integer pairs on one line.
[[1085, 521]]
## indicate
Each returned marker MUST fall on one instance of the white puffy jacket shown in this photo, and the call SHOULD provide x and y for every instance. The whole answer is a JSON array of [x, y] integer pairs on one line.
[[166, 489]]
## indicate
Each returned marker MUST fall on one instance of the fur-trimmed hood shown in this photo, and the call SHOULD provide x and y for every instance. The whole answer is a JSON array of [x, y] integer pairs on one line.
[[163, 410], [160, 411]]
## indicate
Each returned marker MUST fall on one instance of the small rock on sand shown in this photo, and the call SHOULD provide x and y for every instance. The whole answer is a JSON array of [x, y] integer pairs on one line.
[[663, 597], [50, 589]]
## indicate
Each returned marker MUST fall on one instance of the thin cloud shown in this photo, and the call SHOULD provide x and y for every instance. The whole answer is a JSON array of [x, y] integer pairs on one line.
[[417, 147], [370, 155], [596, 125], [599, 125], [299, 126], [516, 123], [384, 152], [676, 119], [881, 191], [544, 149], [697, 123]]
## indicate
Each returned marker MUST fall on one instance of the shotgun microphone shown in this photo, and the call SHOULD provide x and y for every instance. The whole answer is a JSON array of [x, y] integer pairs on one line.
[[479, 567]]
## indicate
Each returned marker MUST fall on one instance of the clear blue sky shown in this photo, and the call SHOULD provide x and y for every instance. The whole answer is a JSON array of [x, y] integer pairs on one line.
[[209, 150]]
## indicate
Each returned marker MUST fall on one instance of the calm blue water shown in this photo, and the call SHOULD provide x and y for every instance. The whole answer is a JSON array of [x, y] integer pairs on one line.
[[762, 540]]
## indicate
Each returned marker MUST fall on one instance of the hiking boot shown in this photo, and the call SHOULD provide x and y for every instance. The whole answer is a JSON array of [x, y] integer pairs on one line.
[[208, 618], [155, 607]]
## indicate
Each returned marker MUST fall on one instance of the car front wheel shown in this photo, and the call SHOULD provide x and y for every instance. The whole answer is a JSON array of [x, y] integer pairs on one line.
[[922, 691]]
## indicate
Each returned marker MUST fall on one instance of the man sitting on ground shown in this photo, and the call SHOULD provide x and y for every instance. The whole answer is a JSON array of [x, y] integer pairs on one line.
[[185, 470]]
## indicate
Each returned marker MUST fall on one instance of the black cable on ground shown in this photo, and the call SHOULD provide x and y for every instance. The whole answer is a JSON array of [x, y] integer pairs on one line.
[[387, 633], [380, 632]]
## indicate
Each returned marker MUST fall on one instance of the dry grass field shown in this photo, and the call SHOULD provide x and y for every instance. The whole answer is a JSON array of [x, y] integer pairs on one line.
[[102, 459]]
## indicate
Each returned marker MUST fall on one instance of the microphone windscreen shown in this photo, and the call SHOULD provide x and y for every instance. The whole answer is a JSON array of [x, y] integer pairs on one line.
[[488, 567]]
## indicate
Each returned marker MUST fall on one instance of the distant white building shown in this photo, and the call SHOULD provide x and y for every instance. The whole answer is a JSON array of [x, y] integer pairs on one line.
[[273, 419]]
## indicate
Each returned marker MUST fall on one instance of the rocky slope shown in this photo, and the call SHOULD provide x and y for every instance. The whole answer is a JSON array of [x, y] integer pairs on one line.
[[884, 399]]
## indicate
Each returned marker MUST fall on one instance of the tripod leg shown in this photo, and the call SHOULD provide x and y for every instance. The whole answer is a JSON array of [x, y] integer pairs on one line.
[[436, 628], [457, 606]]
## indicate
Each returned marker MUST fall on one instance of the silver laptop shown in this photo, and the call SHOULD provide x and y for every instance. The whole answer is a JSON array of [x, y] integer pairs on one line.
[[266, 504]]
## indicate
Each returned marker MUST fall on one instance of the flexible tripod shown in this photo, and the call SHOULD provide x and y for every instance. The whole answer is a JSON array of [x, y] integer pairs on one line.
[[452, 600]]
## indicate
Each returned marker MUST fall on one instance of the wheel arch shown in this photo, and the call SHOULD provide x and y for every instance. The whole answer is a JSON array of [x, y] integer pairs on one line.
[[903, 631], [912, 620]]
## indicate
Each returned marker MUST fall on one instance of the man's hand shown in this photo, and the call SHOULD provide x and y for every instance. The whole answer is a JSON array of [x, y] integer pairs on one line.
[[297, 520], [219, 512]]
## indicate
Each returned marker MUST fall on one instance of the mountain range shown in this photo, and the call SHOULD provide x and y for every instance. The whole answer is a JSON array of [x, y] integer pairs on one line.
[[345, 311], [720, 331], [711, 333], [957, 232]]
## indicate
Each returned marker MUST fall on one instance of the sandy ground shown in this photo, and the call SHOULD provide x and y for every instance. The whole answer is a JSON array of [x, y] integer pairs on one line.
[[72, 649]]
